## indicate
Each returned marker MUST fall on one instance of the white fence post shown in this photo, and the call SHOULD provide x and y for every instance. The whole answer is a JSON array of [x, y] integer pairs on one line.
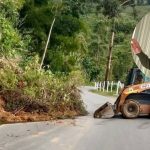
[[96, 85], [117, 89], [112, 85], [107, 86], [103, 86], [100, 86], [119, 85]]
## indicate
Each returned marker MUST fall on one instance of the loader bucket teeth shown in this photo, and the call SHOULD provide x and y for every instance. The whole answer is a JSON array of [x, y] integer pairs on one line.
[[105, 111]]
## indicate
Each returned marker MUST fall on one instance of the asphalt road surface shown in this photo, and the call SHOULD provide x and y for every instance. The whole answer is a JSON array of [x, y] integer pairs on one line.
[[83, 133]]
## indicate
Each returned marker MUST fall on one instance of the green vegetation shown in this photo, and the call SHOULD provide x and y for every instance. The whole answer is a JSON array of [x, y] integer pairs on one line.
[[77, 51], [105, 93]]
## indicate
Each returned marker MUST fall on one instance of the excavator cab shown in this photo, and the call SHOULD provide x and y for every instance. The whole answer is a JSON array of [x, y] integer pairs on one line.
[[135, 76]]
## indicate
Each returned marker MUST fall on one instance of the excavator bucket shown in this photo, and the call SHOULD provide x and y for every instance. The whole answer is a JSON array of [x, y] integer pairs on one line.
[[105, 111]]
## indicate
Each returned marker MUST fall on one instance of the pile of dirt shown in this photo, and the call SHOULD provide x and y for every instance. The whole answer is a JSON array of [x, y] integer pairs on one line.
[[30, 116]]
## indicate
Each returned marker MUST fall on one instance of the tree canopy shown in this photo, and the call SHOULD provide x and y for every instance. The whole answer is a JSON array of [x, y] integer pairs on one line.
[[80, 36]]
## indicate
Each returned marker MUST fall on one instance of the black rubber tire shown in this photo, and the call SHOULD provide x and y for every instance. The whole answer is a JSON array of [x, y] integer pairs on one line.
[[130, 109]]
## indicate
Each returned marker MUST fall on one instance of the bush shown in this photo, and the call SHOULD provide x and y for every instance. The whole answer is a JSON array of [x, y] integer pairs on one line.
[[30, 90]]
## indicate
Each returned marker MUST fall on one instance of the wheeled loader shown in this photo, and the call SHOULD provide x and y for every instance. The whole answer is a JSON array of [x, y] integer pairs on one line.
[[133, 100]]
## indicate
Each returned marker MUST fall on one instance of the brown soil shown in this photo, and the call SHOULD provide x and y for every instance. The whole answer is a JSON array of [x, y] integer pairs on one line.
[[22, 116]]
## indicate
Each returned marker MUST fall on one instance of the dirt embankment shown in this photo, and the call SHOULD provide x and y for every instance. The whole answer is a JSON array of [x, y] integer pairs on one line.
[[23, 115]]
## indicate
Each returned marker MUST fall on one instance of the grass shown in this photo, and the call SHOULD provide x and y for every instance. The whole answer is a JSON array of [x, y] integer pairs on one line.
[[105, 93], [88, 83]]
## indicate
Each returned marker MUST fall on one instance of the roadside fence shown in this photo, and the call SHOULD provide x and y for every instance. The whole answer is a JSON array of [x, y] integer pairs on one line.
[[109, 86]]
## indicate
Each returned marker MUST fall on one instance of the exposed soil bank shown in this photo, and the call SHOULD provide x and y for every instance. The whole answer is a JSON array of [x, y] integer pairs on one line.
[[24, 116]]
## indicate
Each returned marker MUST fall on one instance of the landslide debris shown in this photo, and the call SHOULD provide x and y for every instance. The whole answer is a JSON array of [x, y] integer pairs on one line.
[[27, 94]]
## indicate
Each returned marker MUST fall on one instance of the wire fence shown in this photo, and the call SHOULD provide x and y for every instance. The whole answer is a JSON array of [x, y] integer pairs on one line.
[[109, 86]]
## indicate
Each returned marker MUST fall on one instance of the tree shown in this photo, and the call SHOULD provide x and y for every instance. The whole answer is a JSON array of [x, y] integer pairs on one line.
[[111, 9], [148, 2], [122, 59], [49, 35], [12, 43], [67, 29], [140, 2]]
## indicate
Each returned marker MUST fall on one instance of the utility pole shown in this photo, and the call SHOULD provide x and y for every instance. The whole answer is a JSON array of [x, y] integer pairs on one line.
[[107, 75]]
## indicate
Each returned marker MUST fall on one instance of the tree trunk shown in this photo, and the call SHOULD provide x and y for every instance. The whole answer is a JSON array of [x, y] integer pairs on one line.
[[48, 39], [108, 67], [134, 12]]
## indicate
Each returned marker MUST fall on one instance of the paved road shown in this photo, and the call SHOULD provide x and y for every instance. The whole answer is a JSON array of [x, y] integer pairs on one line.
[[83, 133]]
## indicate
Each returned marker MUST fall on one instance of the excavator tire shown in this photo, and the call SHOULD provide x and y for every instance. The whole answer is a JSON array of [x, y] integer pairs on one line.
[[130, 109]]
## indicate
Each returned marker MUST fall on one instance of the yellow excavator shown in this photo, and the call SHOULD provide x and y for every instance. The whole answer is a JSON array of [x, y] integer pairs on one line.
[[134, 98]]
